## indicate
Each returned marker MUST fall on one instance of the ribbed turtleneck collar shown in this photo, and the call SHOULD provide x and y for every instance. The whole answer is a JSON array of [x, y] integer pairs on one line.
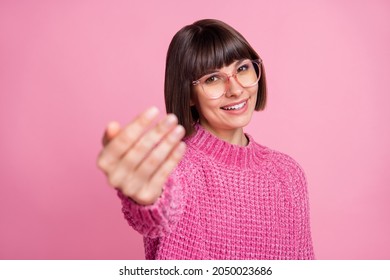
[[221, 151]]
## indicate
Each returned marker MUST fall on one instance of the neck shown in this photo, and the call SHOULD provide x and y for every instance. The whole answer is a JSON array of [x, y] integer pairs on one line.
[[232, 136], [207, 145]]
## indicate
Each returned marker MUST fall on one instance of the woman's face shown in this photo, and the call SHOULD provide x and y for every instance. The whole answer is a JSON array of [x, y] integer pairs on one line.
[[232, 111]]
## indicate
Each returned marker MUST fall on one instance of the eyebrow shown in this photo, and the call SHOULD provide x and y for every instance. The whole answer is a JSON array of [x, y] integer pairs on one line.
[[211, 71]]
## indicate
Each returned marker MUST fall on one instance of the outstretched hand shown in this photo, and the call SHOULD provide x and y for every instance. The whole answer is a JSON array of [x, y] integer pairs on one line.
[[138, 158]]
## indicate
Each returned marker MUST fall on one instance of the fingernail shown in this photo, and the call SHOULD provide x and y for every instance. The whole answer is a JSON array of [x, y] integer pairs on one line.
[[113, 126], [178, 131], [151, 113], [181, 147], [170, 120]]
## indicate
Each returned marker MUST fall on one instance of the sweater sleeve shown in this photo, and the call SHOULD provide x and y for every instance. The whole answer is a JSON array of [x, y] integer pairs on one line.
[[302, 234], [158, 219]]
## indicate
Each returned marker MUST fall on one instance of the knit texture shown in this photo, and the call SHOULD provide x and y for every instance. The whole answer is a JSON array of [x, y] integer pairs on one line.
[[225, 201]]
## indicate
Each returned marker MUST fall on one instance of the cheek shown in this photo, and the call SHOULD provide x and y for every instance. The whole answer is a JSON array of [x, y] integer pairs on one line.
[[255, 89], [208, 107], [253, 94], [202, 103]]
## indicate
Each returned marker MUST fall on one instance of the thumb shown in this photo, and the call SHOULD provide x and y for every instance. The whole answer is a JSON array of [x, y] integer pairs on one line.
[[112, 130]]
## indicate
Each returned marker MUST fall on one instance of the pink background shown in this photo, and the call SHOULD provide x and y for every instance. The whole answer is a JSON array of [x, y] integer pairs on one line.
[[69, 67]]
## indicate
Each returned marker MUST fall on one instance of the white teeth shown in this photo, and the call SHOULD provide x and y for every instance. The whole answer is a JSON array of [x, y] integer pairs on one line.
[[235, 107]]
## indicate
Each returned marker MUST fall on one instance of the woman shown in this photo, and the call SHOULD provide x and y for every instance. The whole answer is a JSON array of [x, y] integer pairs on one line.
[[194, 184]]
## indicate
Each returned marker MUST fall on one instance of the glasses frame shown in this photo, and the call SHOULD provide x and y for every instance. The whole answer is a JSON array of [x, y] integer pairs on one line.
[[200, 81]]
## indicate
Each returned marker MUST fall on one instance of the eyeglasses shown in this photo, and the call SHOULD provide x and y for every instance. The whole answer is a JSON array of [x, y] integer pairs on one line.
[[216, 84]]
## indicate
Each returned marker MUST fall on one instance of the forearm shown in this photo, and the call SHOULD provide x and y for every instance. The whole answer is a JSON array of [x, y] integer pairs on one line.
[[158, 219]]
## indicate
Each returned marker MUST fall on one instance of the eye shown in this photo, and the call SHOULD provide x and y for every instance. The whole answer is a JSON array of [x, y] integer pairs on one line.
[[212, 79], [243, 67]]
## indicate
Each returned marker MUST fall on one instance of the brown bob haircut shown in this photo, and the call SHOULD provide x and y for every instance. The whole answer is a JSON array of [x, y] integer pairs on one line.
[[195, 49]]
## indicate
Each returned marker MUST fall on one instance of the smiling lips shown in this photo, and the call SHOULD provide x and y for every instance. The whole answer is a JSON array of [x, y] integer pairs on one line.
[[237, 106]]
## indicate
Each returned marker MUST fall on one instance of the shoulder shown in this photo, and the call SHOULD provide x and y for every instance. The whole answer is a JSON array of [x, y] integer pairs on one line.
[[187, 165], [285, 162], [280, 164]]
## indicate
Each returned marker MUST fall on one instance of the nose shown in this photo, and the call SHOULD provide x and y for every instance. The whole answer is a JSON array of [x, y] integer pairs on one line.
[[233, 88]]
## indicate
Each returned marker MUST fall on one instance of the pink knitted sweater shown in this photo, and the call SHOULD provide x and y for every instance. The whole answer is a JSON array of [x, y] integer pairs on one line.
[[227, 202]]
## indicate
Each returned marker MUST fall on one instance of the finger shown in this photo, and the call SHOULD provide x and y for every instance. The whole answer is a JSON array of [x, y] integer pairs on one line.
[[159, 155], [149, 194], [148, 142], [143, 148], [161, 175], [127, 137], [152, 191], [112, 130]]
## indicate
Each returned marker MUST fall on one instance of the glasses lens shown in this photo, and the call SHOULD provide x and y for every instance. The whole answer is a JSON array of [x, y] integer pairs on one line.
[[214, 85], [248, 74]]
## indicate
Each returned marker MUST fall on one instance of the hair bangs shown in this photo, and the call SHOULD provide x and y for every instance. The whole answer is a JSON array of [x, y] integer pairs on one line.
[[213, 50]]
